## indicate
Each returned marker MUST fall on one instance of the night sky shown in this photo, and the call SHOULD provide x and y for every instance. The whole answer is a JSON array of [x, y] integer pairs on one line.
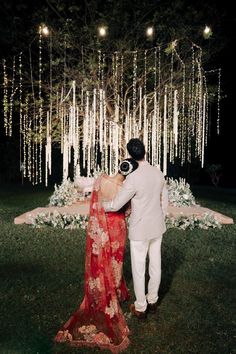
[[221, 149]]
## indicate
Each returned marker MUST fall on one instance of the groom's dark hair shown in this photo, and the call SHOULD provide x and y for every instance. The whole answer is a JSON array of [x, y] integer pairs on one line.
[[136, 149]]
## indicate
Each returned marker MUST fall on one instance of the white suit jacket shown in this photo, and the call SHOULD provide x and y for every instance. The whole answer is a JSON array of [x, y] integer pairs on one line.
[[146, 189]]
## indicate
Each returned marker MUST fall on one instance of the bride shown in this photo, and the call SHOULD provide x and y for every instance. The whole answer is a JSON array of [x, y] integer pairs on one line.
[[99, 321]]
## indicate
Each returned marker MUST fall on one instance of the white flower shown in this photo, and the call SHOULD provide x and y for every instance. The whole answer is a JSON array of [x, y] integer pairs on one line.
[[190, 222], [56, 219], [179, 193], [65, 194]]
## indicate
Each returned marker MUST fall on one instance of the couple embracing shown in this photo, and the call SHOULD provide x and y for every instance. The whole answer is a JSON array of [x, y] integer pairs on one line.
[[139, 189]]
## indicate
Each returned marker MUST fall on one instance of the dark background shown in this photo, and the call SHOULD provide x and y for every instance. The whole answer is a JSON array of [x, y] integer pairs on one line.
[[18, 23], [222, 148]]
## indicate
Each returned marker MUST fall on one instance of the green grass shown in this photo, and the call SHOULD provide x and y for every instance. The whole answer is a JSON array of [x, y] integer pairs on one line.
[[41, 272]]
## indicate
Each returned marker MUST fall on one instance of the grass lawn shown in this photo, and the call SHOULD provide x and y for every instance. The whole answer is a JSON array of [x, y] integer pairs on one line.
[[41, 272]]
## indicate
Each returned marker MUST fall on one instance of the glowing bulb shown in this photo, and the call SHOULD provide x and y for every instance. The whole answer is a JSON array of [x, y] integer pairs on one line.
[[44, 30], [102, 31], [207, 30], [150, 31]]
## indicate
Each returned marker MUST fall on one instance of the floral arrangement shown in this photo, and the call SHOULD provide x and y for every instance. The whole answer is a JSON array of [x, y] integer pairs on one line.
[[65, 194], [179, 193], [58, 220], [190, 222], [182, 222]]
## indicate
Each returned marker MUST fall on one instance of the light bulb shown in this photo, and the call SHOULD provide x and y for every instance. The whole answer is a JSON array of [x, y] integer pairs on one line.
[[207, 30], [150, 31], [44, 30], [102, 31]]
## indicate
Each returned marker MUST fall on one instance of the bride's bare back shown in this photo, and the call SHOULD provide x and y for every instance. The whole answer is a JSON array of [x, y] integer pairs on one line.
[[110, 186]]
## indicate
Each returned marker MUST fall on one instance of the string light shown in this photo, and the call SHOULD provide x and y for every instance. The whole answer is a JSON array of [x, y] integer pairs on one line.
[[20, 99], [24, 144], [102, 71], [40, 106], [95, 120], [134, 88], [175, 121], [122, 84], [29, 146], [203, 129], [165, 134], [5, 98], [99, 68], [12, 96], [218, 101]]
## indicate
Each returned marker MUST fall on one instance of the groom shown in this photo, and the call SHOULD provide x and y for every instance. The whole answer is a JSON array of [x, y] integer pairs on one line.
[[146, 189]]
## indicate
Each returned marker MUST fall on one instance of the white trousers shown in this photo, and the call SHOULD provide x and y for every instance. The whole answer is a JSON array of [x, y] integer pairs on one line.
[[139, 251]]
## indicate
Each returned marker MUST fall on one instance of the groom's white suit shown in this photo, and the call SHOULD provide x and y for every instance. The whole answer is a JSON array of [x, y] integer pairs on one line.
[[146, 189]]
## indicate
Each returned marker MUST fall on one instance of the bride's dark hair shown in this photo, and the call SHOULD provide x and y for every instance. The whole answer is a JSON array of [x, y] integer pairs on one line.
[[127, 166]]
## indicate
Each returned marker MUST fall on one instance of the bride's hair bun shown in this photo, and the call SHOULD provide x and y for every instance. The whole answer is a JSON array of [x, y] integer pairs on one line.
[[127, 166]]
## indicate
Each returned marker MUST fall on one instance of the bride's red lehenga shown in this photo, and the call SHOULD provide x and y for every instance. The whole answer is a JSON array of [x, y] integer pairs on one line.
[[99, 321]]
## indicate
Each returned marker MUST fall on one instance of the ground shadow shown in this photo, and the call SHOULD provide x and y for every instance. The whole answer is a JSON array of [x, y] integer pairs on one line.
[[172, 258]]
